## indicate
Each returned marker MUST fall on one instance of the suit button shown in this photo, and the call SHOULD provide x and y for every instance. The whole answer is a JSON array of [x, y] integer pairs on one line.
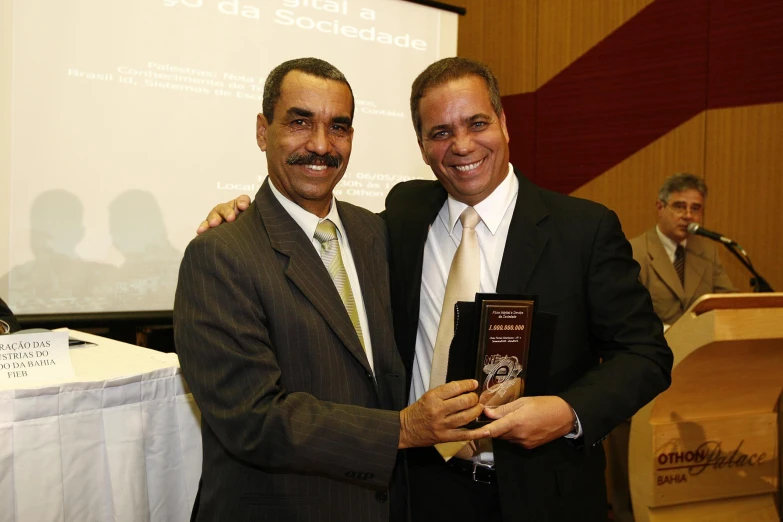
[[381, 496], [369, 376]]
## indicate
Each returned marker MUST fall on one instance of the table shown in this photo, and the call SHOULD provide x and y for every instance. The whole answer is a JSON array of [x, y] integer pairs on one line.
[[122, 442]]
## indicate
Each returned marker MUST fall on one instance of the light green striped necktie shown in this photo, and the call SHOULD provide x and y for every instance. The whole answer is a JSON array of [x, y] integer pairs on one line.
[[326, 234]]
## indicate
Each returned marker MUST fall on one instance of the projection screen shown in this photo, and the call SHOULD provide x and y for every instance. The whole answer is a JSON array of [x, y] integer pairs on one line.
[[125, 121]]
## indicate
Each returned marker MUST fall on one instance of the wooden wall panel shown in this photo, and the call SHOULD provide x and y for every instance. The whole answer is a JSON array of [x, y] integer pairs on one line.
[[503, 35], [699, 47], [746, 48], [645, 79], [631, 187], [744, 172], [568, 28]]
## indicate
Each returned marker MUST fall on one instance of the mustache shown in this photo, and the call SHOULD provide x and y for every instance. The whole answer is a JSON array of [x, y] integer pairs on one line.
[[314, 159]]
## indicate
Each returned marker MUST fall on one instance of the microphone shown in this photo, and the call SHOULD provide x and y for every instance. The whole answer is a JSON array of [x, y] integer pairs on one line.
[[759, 283], [695, 228]]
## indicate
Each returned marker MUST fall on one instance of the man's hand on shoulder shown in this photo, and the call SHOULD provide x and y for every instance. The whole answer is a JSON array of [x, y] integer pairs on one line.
[[439, 414], [227, 212], [531, 421]]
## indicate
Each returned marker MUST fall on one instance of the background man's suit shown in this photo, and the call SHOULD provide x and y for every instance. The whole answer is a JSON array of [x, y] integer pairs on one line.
[[704, 274], [8, 317], [573, 254], [275, 364]]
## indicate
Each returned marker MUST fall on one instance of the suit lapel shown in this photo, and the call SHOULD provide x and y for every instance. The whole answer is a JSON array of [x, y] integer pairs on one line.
[[525, 244], [410, 253], [365, 251], [526, 239], [695, 267], [306, 270], [663, 266]]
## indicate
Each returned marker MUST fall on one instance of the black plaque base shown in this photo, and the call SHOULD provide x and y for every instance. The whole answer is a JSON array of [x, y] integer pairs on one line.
[[497, 352]]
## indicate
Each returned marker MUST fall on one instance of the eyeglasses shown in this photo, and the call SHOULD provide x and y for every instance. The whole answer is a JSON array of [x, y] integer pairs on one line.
[[680, 208]]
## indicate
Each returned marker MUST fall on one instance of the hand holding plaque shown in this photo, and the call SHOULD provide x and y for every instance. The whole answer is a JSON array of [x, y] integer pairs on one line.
[[503, 344], [491, 344]]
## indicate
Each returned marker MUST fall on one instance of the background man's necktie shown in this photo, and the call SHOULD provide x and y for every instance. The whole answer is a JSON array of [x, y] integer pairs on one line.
[[679, 264], [326, 234]]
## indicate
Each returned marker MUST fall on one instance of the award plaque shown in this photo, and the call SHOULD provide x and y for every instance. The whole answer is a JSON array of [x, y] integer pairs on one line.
[[491, 343], [504, 328]]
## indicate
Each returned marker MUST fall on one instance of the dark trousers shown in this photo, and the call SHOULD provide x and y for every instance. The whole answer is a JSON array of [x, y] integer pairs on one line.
[[617, 459], [439, 491]]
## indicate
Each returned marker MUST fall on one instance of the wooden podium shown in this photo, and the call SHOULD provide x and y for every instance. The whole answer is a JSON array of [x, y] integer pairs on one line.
[[708, 447]]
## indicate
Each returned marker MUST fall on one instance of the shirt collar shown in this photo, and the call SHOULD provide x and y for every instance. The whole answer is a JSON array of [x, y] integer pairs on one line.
[[307, 221], [492, 208], [668, 243]]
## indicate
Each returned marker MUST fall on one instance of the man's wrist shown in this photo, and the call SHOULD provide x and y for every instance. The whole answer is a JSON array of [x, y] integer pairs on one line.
[[403, 442], [576, 426]]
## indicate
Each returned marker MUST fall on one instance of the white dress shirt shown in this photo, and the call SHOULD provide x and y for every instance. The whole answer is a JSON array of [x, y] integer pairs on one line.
[[442, 241], [309, 222], [669, 245]]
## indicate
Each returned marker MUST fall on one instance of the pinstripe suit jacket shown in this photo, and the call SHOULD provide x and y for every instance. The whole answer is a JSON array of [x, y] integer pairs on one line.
[[295, 425]]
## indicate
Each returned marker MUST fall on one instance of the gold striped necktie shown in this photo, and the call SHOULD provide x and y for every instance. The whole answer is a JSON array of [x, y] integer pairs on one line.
[[326, 234]]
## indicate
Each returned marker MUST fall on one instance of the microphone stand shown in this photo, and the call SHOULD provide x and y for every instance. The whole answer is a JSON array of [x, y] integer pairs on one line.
[[758, 283]]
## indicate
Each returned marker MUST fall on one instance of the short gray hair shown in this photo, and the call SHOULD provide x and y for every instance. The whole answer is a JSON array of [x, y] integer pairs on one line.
[[680, 182]]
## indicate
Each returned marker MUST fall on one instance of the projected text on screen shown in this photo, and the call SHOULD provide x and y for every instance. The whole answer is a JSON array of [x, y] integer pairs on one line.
[[288, 17], [131, 120]]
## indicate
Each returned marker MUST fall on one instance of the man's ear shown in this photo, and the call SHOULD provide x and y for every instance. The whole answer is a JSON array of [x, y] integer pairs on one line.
[[423, 152], [261, 127], [659, 208]]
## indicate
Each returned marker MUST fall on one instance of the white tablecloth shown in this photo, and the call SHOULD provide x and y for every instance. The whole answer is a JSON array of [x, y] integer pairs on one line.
[[120, 443]]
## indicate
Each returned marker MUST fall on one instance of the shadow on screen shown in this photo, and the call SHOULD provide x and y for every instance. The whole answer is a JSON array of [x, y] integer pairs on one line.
[[57, 280], [147, 277]]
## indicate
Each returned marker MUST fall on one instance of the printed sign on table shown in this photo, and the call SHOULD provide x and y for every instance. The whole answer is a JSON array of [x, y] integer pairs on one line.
[[34, 357]]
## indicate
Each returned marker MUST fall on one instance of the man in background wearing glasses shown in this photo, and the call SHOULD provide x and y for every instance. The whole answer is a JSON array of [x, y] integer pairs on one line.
[[677, 270]]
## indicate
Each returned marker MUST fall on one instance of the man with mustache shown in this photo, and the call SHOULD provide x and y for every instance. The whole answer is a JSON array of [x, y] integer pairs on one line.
[[283, 329], [545, 460]]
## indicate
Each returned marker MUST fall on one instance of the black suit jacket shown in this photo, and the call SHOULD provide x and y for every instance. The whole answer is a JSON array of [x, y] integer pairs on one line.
[[8, 316], [295, 424], [573, 254]]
